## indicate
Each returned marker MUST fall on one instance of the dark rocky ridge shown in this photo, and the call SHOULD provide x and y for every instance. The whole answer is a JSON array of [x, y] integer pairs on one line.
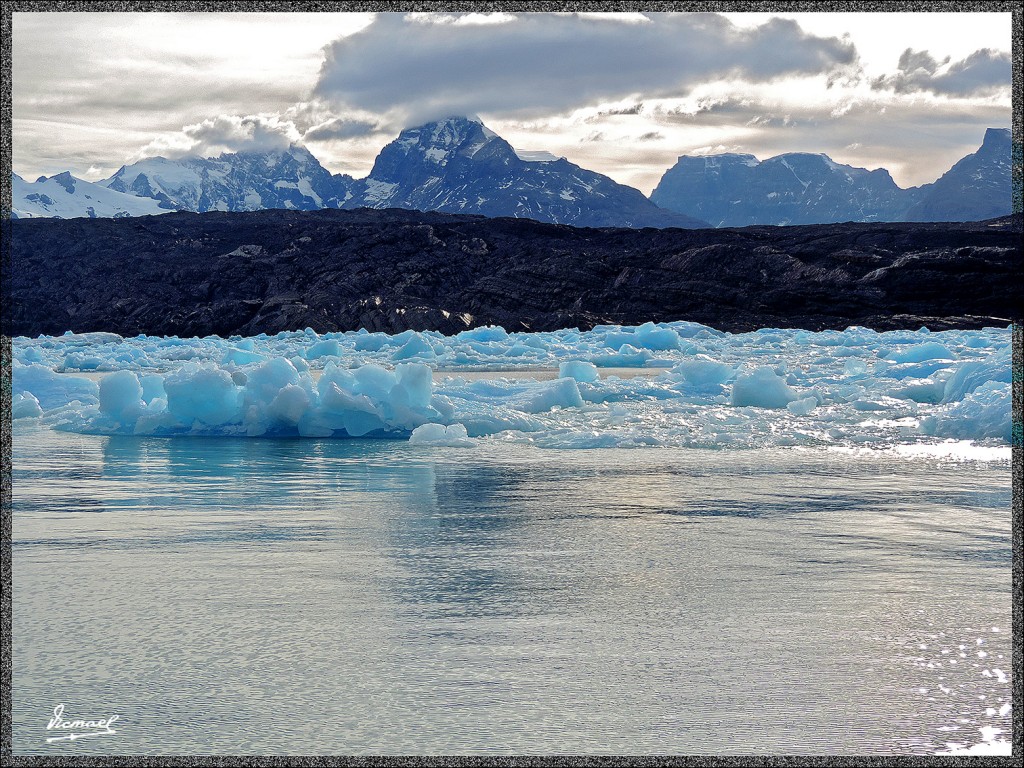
[[192, 274]]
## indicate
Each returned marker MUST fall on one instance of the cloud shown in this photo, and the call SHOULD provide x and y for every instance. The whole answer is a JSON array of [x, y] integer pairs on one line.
[[460, 19], [633, 109], [986, 71], [535, 64], [226, 133], [340, 128]]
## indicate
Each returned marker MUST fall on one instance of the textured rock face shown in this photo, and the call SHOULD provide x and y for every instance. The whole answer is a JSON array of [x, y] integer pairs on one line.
[[978, 187], [457, 165], [247, 181], [268, 271], [738, 190]]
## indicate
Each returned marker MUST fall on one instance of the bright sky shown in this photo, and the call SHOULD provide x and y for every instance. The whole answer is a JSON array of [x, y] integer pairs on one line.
[[622, 94]]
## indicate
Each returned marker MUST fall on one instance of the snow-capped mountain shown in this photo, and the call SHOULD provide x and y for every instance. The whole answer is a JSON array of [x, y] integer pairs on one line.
[[458, 165], [243, 181], [66, 197], [734, 190], [978, 187]]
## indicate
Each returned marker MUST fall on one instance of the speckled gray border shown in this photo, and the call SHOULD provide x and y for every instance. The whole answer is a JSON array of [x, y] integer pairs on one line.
[[5, 381]]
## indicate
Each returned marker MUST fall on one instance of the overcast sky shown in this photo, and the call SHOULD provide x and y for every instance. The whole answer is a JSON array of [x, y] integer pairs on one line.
[[622, 94]]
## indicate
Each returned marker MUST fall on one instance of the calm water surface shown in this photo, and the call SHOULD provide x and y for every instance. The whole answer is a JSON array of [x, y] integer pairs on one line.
[[298, 596]]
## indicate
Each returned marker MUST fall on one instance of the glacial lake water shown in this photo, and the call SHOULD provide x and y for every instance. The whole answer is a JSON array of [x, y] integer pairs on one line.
[[258, 596]]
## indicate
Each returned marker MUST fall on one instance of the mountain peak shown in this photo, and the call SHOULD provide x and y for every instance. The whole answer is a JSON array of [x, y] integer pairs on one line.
[[995, 137], [66, 180], [436, 150], [452, 120], [446, 132], [977, 187], [458, 165]]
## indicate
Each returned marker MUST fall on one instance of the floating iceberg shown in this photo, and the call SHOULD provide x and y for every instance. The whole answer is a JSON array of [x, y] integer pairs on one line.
[[453, 436], [664, 384], [762, 388]]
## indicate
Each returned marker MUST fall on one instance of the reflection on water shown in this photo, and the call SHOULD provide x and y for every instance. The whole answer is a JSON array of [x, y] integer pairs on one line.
[[295, 596]]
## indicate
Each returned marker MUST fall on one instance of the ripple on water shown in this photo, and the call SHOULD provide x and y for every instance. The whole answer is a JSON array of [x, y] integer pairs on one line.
[[301, 596]]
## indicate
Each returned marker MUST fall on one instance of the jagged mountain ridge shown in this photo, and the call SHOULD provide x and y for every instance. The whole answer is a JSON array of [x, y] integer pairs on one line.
[[735, 190], [455, 165], [292, 179], [977, 187], [458, 165], [796, 188]]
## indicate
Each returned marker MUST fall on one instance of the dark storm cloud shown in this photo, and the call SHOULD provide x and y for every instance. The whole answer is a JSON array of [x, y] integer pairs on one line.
[[983, 72], [633, 110], [340, 128], [539, 63]]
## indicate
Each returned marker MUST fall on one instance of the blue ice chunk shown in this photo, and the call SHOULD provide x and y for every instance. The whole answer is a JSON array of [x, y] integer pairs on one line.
[[203, 393], [323, 348], [414, 386], [628, 356], [562, 393], [25, 406], [121, 396], [416, 346], [930, 350], [241, 356], [854, 367], [579, 370], [970, 375], [803, 406], [762, 388], [452, 436], [51, 389], [372, 342], [986, 412], [483, 333], [703, 372], [152, 387]]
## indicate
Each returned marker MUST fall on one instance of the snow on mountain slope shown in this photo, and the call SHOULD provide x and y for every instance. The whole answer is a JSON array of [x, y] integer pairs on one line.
[[66, 197], [458, 165], [177, 183], [245, 181]]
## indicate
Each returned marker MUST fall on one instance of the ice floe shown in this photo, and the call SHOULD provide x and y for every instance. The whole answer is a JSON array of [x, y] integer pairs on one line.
[[696, 386]]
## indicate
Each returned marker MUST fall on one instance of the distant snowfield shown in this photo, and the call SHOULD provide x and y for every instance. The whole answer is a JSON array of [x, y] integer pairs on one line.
[[911, 393], [63, 196]]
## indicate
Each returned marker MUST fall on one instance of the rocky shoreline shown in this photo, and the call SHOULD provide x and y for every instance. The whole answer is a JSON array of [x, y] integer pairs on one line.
[[189, 274]]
